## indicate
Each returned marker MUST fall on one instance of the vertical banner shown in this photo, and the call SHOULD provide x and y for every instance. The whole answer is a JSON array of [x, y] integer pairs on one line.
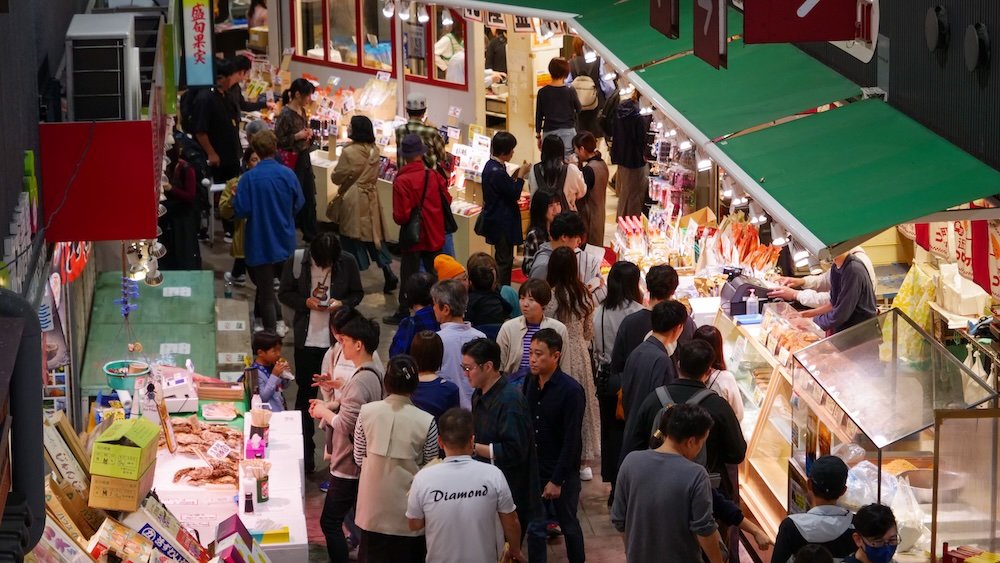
[[198, 55], [665, 17], [796, 21], [710, 32], [993, 260]]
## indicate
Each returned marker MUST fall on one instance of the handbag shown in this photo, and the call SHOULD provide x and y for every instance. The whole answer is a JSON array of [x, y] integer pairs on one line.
[[409, 234], [480, 227], [450, 226], [607, 383], [288, 158]]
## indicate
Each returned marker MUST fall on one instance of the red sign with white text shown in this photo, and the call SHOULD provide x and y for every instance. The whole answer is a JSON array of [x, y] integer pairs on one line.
[[665, 17], [795, 21], [710, 32]]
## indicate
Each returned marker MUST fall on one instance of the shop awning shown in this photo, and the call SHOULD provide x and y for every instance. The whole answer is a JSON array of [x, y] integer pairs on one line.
[[621, 27], [763, 83], [837, 178]]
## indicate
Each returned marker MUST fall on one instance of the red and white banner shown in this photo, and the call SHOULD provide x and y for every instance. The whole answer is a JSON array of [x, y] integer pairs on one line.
[[976, 248], [795, 21]]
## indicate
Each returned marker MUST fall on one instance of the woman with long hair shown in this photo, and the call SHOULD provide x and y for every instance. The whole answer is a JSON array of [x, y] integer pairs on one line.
[[624, 298], [392, 441], [356, 209], [573, 306], [553, 175], [544, 208], [294, 141]]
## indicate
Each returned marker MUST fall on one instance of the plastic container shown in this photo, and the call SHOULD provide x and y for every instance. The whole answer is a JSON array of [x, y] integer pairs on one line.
[[124, 382]]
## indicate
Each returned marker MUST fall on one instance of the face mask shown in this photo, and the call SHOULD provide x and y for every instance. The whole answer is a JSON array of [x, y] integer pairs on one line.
[[880, 554]]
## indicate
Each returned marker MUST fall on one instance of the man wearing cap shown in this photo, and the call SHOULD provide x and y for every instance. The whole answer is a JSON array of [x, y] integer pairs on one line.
[[417, 186], [826, 523], [416, 109]]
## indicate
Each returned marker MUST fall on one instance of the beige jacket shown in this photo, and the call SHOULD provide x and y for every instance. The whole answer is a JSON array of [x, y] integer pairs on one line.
[[511, 338], [391, 445], [360, 213]]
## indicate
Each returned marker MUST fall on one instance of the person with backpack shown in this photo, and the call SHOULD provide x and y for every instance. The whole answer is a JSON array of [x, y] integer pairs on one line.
[[315, 282], [688, 529], [725, 444], [649, 366], [557, 107], [629, 147], [589, 87]]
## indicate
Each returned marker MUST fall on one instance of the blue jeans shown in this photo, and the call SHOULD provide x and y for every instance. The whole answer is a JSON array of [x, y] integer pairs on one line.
[[565, 507], [448, 248], [565, 135]]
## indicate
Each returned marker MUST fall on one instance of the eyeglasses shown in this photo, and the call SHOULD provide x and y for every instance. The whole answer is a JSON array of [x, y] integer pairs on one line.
[[879, 542], [467, 369]]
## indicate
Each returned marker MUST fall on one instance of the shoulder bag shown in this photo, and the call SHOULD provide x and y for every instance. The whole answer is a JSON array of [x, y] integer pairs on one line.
[[409, 234], [450, 226]]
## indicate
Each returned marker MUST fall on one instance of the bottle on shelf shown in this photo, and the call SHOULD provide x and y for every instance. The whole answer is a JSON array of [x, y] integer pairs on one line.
[[753, 303]]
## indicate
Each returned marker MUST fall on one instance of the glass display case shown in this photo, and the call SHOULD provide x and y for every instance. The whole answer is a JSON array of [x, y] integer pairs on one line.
[[869, 394]]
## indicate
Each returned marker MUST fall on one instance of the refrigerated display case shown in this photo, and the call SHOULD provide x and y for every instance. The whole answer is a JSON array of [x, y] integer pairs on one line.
[[870, 394]]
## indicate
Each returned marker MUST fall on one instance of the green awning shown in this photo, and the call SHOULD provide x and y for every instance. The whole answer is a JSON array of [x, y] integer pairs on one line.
[[622, 27], [851, 172], [763, 83]]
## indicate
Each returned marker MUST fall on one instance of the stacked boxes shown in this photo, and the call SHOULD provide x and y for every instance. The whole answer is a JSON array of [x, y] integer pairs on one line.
[[155, 523], [122, 465]]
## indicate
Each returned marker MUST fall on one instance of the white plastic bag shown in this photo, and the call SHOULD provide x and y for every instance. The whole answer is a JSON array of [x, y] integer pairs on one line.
[[909, 517], [862, 486]]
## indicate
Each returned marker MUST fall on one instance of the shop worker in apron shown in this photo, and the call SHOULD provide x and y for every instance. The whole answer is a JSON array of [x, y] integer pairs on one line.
[[826, 523]]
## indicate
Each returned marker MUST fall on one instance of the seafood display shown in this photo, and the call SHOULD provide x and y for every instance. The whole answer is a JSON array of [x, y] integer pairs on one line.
[[219, 472], [195, 438]]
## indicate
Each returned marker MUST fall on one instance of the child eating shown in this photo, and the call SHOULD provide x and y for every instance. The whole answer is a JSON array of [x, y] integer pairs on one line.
[[271, 369]]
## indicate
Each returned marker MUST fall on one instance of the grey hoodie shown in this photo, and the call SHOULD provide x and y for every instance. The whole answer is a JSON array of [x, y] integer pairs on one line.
[[589, 266]]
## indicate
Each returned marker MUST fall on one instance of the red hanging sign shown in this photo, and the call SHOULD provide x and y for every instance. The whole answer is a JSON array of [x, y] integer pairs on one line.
[[796, 21], [665, 17], [710, 33]]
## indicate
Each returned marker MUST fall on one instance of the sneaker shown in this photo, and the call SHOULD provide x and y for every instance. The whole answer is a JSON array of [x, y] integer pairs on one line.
[[586, 474], [390, 285], [552, 529], [281, 329], [203, 236], [325, 486], [277, 284], [258, 326], [235, 280], [393, 319], [227, 238]]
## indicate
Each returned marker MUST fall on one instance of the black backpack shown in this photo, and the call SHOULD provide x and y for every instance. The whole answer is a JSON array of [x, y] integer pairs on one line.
[[666, 401], [609, 113]]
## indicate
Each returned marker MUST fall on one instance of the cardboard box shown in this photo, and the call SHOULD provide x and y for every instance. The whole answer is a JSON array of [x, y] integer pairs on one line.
[[153, 521], [112, 537], [112, 493], [258, 38], [125, 450]]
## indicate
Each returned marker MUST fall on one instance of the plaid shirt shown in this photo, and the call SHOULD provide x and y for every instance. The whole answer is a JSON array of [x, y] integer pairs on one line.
[[432, 139], [501, 418]]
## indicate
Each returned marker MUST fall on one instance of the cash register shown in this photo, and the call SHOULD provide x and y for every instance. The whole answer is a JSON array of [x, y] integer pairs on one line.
[[737, 289]]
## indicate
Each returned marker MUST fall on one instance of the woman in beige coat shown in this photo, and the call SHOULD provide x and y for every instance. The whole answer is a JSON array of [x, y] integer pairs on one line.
[[392, 441], [356, 208]]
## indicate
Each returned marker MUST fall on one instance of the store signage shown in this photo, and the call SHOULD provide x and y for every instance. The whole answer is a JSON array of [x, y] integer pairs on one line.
[[522, 24], [793, 21], [975, 248], [70, 258], [496, 20], [198, 57], [474, 15], [710, 32], [665, 17]]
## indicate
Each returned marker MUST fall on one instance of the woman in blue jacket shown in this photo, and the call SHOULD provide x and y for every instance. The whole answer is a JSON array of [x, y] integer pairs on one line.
[[501, 220]]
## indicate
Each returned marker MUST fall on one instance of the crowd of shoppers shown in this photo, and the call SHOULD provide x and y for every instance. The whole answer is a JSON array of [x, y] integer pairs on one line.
[[518, 390]]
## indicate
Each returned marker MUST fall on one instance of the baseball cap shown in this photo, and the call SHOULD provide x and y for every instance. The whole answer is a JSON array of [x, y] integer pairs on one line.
[[828, 476], [416, 102]]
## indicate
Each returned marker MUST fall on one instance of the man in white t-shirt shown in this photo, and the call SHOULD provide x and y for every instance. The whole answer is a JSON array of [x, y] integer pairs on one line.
[[464, 505]]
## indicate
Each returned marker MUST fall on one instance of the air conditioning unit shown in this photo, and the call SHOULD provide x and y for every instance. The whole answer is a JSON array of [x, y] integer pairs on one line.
[[102, 68]]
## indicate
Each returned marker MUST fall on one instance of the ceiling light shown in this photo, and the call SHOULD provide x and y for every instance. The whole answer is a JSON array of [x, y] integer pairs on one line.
[[756, 213], [779, 236], [610, 76], [814, 267], [704, 165], [799, 255], [686, 145], [647, 110], [388, 8], [626, 91], [446, 17], [589, 56], [422, 15], [672, 133], [404, 12], [739, 195]]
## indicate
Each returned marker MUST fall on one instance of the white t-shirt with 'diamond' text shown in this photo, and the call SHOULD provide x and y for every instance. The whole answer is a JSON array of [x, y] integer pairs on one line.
[[459, 500]]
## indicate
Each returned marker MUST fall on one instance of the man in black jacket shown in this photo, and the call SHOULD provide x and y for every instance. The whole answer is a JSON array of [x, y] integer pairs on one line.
[[725, 444], [826, 523]]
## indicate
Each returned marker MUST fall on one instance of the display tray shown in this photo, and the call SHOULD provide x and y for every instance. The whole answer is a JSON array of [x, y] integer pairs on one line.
[[184, 297]]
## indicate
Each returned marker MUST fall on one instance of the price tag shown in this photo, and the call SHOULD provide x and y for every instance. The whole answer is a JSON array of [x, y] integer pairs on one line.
[[230, 376], [349, 104], [382, 75], [454, 111], [232, 326], [783, 356], [231, 358], [382, 141], [219, 450], [183, 348], [481, 142], [177, 292], [454, 134], [289, 51]]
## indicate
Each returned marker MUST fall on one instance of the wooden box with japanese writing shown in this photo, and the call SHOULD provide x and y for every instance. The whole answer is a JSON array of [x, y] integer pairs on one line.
[[114, 493]]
